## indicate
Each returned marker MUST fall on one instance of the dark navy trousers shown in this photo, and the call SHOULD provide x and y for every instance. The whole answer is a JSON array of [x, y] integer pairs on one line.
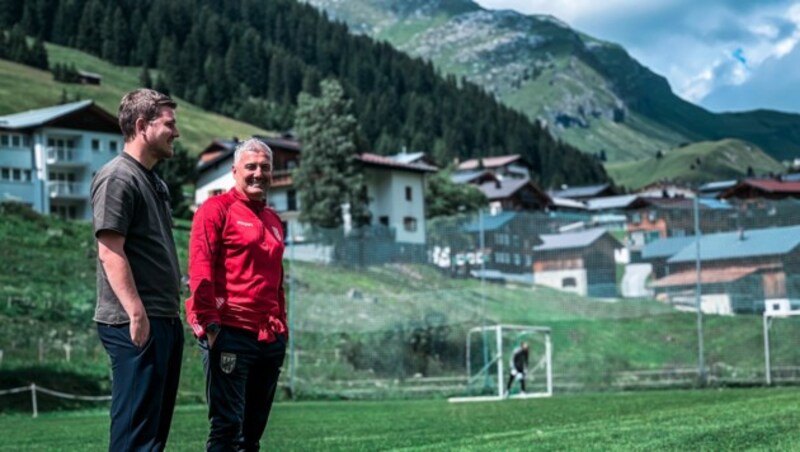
[[144, 383], [241, 377]]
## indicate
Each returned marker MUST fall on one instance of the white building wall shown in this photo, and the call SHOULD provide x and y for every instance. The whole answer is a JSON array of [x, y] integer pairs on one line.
[[218, 178], [387, 193], [555, 279]]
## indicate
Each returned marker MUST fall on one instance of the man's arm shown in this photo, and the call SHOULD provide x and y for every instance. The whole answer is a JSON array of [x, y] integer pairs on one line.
[[204, 243], [111, 252]]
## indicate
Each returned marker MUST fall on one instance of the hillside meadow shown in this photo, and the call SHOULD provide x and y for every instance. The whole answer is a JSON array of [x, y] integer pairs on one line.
[[372, 332], [25, 88]]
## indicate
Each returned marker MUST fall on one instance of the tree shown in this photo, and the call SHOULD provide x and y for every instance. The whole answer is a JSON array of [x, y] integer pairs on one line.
[[177, 172], [443, 197], [144, 77], [329, 175]]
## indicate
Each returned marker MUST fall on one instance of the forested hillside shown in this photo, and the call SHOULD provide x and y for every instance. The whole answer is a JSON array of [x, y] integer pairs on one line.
[[249, 59]]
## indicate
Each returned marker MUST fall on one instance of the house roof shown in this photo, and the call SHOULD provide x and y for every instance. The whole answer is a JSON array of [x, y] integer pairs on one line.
[[405, 157], [466, 177], [224, 149], [489, 162], [569, 240], [494, 190], [755, 243], [613, 202], [767, 187], [586, 191], [490, 222], [686, 203], [717, 185], [389, 162], [566, 203], [665, 247], [39, 117], [707, 276]]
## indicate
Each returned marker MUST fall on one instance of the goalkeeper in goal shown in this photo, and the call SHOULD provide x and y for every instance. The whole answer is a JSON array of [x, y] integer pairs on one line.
[[519, 367]]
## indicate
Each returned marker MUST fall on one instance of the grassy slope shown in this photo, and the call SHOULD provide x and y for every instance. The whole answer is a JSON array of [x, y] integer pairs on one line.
[[752, 419], [23, 88], [47, 278], [719, 160]]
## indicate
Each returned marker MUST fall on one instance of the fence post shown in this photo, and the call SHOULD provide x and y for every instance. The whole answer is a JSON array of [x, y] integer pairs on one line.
[[33, 401], [701, 366]]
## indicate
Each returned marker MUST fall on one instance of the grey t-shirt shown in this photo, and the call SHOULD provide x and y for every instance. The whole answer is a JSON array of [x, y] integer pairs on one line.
[[130, 199]]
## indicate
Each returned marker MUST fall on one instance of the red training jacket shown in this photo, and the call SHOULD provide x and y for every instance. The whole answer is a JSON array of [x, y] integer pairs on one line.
[[236, 267]]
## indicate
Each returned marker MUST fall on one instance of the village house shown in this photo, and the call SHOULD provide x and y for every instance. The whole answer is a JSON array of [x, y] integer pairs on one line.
[[48, 156], [580, 262], [395, 189], [740, 271]]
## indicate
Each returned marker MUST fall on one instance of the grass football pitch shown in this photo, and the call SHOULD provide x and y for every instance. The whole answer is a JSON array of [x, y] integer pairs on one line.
[[727, 419]]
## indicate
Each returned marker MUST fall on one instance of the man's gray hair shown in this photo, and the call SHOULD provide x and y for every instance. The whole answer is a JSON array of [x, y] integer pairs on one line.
[[251, 145]]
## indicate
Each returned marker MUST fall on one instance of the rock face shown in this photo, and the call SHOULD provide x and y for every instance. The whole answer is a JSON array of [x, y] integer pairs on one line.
[[591, 93]]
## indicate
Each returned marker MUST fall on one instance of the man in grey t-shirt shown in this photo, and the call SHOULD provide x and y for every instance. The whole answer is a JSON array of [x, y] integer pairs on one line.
[[138, 276]]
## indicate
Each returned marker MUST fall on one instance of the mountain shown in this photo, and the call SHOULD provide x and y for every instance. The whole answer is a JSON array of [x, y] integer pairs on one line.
[[591, 93], [696, 164], [250, 59]]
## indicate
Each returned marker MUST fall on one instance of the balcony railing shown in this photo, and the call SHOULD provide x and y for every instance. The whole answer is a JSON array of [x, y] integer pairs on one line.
[[63, 155], [60, 189]]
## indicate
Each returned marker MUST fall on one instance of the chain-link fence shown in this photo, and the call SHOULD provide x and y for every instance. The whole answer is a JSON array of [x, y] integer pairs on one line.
[[629, 303]]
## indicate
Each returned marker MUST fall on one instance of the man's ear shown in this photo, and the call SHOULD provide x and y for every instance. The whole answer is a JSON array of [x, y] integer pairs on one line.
[[140, 125]]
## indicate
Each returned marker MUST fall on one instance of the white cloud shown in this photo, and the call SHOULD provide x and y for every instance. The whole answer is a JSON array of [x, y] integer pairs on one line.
[[698, 45]]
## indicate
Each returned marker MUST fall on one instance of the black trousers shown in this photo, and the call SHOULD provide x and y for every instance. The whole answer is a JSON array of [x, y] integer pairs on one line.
[[513, 377], [144, 383], [241, 377]]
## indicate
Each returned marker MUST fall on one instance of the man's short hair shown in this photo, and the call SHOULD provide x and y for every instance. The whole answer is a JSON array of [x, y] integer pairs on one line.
[[251, 145], [141, 103]]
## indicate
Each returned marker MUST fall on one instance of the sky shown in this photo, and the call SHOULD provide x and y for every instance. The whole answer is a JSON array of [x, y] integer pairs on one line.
[[725, 55]]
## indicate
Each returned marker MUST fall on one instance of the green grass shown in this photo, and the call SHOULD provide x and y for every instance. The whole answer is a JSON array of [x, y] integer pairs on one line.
[[740, 419], [24, 88], [719, 160]]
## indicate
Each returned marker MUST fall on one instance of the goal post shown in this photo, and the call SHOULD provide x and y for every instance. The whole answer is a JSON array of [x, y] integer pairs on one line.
[[769, 316], [495, 345]]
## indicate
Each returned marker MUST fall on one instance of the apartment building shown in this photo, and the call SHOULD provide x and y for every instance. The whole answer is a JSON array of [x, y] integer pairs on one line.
[[48, 156]]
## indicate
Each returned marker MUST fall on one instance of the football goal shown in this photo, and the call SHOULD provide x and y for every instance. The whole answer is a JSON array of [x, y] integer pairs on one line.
[[488, 362], [789, 316]]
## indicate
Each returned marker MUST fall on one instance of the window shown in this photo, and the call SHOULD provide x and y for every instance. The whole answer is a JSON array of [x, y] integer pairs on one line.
[[636, 218], [291, 200], [410, 224], [291, 164], [569, 282], [408, 193], [15, 141], [384, 220], [4, 140], [5, 173], [95, 145], [112, 146], [16, 174]]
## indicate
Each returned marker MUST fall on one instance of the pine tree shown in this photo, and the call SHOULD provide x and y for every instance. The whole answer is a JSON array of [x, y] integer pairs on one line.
[[144, 77], [330, 175], [38, 55]]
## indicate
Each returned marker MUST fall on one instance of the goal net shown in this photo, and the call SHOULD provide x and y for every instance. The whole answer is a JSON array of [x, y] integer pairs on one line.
[[489, 352], [781, 361]]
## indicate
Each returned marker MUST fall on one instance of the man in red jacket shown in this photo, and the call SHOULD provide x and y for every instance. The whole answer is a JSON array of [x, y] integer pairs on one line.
[[237, 309]]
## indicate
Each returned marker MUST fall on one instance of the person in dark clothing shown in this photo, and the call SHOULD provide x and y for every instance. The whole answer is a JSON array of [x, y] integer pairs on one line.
[[138, 276], [519, 367]]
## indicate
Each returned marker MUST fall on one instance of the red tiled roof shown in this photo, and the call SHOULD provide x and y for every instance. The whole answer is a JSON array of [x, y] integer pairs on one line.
[[773, 185], [707, 276], [489, 162]]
